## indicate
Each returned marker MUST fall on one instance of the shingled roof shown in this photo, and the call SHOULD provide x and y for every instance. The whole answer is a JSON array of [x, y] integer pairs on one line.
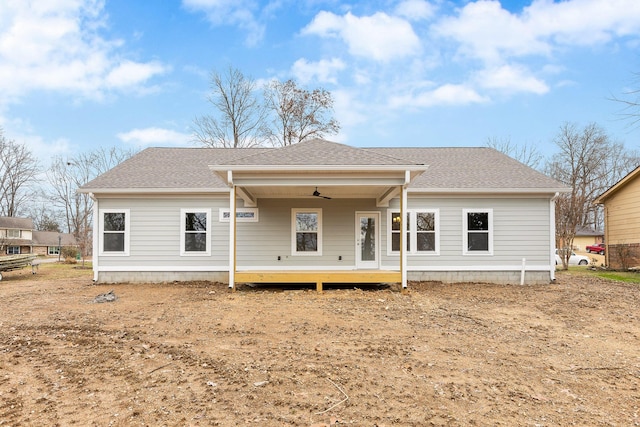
[[14, 223], [448, 169], [477, 168]]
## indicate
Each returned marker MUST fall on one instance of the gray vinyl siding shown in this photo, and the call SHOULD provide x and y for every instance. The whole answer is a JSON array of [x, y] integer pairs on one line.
[[260, 243], [154, 235], [521, 229]]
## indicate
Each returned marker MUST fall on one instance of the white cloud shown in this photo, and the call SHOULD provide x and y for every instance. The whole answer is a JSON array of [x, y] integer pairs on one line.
[[379, 37], [511, 78], [324, 71], [154, 136], [484, 30], [415, 10], [447, 94], [241, 13], [55, 45]]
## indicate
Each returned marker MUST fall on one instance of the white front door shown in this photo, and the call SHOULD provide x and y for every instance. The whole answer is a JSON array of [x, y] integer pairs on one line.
[[368, 240]]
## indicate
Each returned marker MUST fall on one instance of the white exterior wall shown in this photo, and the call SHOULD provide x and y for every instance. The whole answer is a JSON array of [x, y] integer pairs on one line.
[[154, 236], [260, 243], [521, 230]]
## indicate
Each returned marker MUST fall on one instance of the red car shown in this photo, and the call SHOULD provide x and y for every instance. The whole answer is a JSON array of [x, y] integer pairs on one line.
[[598, 248]]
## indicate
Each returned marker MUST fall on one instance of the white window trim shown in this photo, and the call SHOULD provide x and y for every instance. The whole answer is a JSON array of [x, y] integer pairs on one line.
[[465, 232], [13, 233], [413, 232], [294, 246], [183, 223], [223, 218], [127, 222], [53, 250]]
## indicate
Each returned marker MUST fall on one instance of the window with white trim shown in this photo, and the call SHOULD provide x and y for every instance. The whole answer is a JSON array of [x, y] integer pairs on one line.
[[422, 231], [195, 237], [114, 226], [478, 231], [13, 250], [306, 231], [13, 233], [53, 250]]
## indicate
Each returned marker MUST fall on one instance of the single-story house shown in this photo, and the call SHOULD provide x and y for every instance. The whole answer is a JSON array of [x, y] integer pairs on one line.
[[323, 212], [586, 236], [622, 221], [17, 236]]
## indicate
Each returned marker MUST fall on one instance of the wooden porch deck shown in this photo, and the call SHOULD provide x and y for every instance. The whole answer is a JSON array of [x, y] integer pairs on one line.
[[319, 277]]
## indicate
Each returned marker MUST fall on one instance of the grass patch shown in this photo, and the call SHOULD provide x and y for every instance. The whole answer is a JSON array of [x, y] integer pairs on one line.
[[620, 276]]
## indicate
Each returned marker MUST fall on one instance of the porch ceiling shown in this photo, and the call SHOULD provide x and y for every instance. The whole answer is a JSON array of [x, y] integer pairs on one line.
[[306, 191], [381, 183]]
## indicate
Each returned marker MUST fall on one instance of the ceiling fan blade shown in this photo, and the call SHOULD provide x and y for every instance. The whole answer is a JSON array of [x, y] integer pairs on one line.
[[316, 193]]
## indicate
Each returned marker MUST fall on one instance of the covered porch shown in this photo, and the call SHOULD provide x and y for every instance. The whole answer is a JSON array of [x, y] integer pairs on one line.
[[320, 219]]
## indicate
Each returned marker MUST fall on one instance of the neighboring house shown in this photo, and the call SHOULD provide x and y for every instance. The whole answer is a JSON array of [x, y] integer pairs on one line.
[[17, 236], [47, 242], [622, 221], [586, 236], [323, 212]]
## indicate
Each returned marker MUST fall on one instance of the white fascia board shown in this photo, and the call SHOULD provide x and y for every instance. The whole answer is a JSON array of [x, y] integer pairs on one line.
[[324, 168], [167, 190], [317, 181], [488, 191]]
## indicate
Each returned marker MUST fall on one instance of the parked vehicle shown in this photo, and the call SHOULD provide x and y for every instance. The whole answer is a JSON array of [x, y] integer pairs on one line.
[[574, 259], [598, 248]]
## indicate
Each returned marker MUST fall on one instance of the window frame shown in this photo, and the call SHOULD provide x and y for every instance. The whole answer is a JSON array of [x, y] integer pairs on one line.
[[183, 232], [11, 250], [53, 250], [13, 233], [466, 231], [412, 231], [127, 229], [294, 232]]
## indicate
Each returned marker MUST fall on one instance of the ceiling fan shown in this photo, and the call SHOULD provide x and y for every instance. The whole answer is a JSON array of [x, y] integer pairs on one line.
[[317, 194]]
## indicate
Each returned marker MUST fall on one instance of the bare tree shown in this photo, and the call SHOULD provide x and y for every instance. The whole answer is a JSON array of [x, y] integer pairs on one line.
[[631, 104], [583, 164], [526, 154], [18, 175], [240, 119], [66, 176], [299, 114], [44, 218]]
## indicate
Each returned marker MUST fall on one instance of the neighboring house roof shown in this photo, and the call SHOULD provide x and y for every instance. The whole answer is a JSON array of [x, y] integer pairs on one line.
[[50, 238], [447, 169], [618, 186], [588, 232], [10, 222]]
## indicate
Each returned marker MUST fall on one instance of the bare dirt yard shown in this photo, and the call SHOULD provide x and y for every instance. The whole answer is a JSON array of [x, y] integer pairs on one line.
[[195, 354]]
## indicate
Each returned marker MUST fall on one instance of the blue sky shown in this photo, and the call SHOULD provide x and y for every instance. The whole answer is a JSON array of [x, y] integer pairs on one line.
[[80, 74]]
